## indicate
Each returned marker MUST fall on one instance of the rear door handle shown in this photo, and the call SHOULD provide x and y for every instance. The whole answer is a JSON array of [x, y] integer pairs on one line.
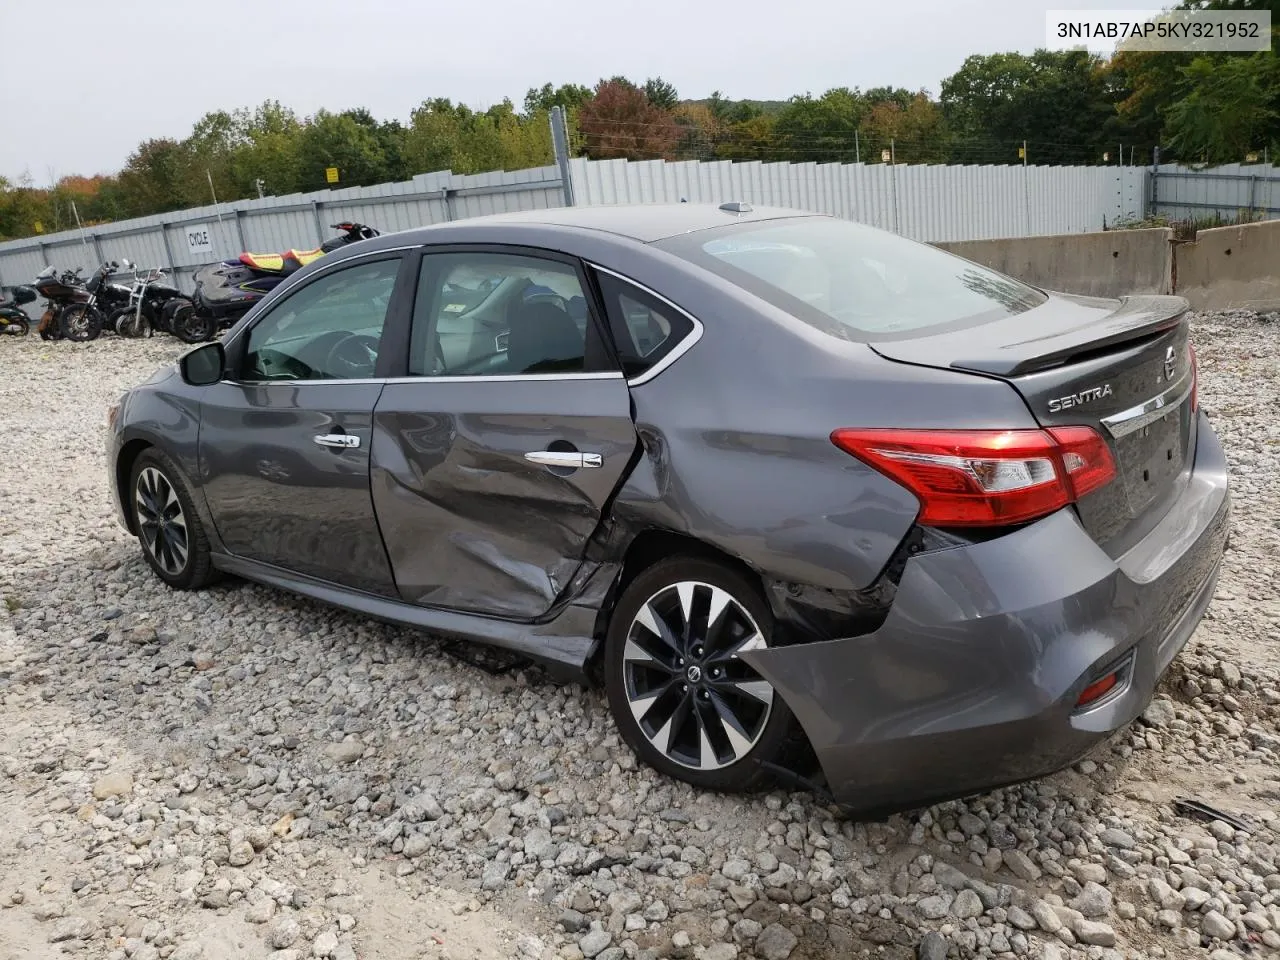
[[564, 458], [343, 441]]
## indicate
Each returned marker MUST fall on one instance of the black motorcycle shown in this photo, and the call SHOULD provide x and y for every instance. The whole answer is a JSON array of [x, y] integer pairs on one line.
[[225, 291], [14, 321], [85, 319], [153, 300], [59, 290]]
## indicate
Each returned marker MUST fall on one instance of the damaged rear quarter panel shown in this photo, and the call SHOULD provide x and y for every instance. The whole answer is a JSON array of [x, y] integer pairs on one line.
[[736, 448]]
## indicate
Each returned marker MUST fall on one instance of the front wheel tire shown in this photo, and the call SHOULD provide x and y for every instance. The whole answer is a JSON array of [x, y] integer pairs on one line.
[[80, 323], [169, 530], [680, 695]]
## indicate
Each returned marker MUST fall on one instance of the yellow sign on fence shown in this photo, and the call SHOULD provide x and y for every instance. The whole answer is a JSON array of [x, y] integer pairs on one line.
[[331, 174]]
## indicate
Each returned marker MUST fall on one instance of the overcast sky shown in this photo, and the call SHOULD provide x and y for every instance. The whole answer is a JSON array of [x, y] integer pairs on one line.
[[81, 83]]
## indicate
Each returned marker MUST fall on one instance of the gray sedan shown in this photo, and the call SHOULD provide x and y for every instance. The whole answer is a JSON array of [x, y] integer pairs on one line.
[[794, 491]]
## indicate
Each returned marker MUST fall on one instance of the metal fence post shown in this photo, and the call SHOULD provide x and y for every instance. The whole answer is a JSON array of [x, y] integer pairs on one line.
[[446, 194], [237, 213], [97, 248], [44, 251], [1155, 182], [315, 213], [560, 142], [1253, 183]]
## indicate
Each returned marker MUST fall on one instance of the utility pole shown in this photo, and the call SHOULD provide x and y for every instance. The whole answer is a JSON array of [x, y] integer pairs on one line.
[[214, 194], [1026, 190], [857, 149]]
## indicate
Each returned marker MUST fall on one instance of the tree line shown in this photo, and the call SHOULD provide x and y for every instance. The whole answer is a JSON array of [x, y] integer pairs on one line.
[[1047, 107]]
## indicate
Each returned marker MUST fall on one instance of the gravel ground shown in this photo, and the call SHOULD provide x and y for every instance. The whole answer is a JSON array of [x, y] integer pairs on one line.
[[237, 772]]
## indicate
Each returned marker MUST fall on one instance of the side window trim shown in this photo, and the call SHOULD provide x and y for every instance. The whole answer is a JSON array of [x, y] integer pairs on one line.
[[682, 346], [598, 348]]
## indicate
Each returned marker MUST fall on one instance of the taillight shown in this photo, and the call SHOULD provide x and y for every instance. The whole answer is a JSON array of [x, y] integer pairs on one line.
[[1195, 379], [967, 478]]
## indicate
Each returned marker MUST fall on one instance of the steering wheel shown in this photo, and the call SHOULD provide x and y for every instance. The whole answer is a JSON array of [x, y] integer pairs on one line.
[[354, 357]]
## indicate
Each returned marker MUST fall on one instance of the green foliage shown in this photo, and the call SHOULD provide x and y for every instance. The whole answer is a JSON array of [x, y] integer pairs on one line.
[[567, 96], [661, 94], [1225, 107], [1060, 100]]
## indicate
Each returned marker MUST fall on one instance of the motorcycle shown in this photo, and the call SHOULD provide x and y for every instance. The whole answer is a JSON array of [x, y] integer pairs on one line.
[[59, 290], [225, 291], [152, 302], [83, 319], [13, 319]]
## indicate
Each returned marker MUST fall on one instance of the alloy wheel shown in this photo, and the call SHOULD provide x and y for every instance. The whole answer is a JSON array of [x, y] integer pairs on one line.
[[694, 700], [161, 521], [78, 324]]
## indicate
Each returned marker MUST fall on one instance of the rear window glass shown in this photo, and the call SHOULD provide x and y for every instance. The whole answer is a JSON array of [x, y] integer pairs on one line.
[[855, 281]]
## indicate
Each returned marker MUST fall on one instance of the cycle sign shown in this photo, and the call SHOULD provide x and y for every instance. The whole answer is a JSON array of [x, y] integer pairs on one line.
[[199, 238]]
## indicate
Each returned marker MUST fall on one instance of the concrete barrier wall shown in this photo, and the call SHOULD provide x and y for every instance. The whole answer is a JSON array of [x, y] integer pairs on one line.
[[1232, 267], [1107, 264]]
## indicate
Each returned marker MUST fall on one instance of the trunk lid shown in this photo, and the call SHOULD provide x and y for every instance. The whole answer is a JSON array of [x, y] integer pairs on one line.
[[1122, 367]]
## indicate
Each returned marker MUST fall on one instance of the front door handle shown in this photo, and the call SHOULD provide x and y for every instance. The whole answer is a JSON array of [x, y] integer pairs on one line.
[[342, 441], [564, 458]]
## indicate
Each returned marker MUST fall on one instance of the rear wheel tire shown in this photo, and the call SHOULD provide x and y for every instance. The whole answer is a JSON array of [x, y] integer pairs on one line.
[[681, 697], [191, 327], [17, 327], [80, 323], [169, 530]]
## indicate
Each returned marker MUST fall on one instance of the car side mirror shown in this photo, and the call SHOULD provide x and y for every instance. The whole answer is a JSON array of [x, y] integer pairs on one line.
[[204, 365]]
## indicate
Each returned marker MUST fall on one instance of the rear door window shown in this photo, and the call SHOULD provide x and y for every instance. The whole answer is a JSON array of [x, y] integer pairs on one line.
[[484, 314]]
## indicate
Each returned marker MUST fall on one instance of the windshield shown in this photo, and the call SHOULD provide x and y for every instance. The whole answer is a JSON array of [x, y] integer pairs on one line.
[[855, 281]]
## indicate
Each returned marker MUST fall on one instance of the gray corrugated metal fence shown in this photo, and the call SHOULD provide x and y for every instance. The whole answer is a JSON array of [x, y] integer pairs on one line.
[[925, 202], [1227, 191], [273, 224]]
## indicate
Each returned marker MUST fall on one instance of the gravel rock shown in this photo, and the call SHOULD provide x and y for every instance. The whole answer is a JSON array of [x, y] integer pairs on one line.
[[966, 905], [1021, 866], [348, 751], [116, 784], [325, 945], [775, 942], [933, 908], [933, 946], [1159, 713], [595, 942], [1114, 837], [283, 933], [1094, 933], [71, 928], [1046, 917], [1093, 901], [1216, 925]]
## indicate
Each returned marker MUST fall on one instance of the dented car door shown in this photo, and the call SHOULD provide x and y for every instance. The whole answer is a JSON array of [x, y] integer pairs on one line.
[[493, 462]]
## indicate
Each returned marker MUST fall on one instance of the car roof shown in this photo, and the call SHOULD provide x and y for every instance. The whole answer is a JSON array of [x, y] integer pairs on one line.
[[645, 222]]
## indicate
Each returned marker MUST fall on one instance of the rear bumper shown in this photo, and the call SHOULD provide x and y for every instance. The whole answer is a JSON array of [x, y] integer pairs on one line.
[[973, 679]]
